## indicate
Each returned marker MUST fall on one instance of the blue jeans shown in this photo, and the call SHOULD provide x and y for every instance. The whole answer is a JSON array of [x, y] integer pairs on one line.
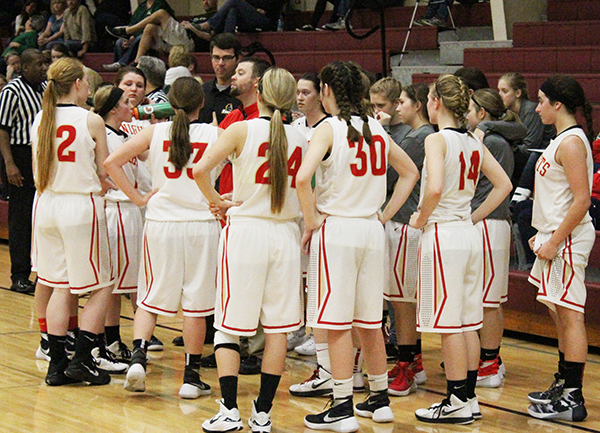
[[239, 14], [125, 56], [439, 8]]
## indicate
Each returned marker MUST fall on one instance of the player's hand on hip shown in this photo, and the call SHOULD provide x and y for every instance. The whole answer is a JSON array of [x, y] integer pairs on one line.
[[106, 185], [144, 199], [14, 175], [414, 221], [305, 241], [546, 251]]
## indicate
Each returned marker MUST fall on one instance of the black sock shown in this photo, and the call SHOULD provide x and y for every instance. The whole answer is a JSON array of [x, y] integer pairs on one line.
[[138, 354], [458, 388], [471, 383], [418, 347], [56, 347], [561, 364], [489, 354], [113, 333], [86, 341], [406, 353], [229, 390], [268, 388], [100, 340], [192, 362], [573, 374]]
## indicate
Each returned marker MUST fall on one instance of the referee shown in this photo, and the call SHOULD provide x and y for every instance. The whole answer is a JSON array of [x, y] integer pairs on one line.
[[20, 101]]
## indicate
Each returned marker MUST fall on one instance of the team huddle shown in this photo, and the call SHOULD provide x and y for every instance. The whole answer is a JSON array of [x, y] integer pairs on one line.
[[384, 206]]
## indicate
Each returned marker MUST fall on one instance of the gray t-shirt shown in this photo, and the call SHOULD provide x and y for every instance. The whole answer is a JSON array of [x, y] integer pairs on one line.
[[499, 145], [414, 146]]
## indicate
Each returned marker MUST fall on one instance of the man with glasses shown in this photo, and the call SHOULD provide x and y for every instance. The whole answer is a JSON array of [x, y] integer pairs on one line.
[[224, 54]]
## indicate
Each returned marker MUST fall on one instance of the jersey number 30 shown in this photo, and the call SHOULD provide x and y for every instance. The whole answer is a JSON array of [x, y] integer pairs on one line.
[[473, 173], [376, 157], [293, 165]]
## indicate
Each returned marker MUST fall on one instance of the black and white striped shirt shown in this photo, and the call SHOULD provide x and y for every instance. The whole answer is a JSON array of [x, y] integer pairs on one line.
[[19, 103], [158, 96]]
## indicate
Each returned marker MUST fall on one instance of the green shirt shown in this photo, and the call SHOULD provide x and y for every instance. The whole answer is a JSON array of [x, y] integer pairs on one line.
[[26, 39]]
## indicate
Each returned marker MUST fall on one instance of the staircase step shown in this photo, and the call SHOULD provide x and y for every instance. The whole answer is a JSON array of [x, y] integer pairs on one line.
[[452, 53], [420, 74]]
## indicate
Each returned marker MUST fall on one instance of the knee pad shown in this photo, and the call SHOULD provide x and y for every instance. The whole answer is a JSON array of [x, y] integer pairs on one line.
[[227, 341]]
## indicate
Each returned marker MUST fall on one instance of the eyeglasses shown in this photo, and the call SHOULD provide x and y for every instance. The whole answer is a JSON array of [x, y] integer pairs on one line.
[[225, 59]]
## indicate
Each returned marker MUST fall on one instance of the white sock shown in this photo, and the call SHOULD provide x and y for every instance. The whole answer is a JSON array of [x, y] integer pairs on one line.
[[323, 356], [378, 382], [342, 388]]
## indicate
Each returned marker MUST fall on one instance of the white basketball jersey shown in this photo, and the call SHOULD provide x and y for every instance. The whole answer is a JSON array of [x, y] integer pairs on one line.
[[114, 140], [74, 168], [251, 173], [178, 197], [135, 126], [462, 164], [553, 196], [351, 181]]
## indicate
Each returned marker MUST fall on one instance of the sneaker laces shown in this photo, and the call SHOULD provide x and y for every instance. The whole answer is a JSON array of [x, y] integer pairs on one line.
[[315, 375]]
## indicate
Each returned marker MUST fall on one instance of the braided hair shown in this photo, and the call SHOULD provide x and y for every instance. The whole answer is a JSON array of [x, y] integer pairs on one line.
[[453, 93], [346, 82]]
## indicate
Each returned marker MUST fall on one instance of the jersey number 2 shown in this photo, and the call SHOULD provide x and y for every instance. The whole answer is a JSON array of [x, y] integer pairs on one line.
[[63, 154], [473, 173], [293, 165], [197, 149]]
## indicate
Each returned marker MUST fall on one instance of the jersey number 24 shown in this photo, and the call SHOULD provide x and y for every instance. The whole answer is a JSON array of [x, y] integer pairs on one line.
[[293, 165]]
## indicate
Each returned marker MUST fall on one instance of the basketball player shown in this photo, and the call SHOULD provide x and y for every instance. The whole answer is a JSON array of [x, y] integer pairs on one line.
[[403, 243], [348, 245], [69, 147], [180, 234], [564, 241], [259, 255], [450, 269]]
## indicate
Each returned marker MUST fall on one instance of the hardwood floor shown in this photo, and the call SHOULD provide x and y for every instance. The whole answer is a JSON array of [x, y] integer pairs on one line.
[[28, 405]]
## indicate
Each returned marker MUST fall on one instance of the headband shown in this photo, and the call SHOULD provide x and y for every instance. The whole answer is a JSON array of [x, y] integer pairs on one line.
[[111, 102], [551, 92]]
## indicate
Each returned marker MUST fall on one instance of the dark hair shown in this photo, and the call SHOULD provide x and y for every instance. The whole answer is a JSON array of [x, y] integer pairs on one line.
[[568, 91], [473, 77], [516, 81], [259, 66], [61, 48], [185, 95], [226, 41], [418, 93], [313, 78], [126, 70], [491, 102], [346, 82]]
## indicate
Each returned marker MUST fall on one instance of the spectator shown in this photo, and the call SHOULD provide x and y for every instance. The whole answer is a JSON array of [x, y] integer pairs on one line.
[[437, 13], [3, 81], [58, 51], [28, 38], [78, 28], [30, 8], [318, 13], [200, 40], [126, 48], [154, 69], [13, 65], [245, 16], [180, 65], [20, 101], [54, 29], [160, 31], [110, 13], [225, 51]]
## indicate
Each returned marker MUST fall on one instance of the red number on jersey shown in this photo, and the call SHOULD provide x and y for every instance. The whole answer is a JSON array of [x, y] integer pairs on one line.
[[473, 173], [261, 176], [197, 150], [376, 157], [293, 165], [64, 156]]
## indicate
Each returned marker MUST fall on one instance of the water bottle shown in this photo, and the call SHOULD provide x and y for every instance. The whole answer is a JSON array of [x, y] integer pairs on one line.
[[160, 111]]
